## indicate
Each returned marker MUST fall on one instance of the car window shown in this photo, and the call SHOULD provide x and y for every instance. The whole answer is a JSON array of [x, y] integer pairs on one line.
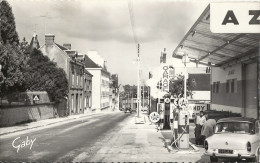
[[234, 127]]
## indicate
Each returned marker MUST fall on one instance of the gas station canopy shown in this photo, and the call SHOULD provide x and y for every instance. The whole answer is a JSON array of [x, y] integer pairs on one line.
[[216, 49]]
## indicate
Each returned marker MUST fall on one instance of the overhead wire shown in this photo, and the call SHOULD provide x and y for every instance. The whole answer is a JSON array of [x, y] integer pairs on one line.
[[131, 14]]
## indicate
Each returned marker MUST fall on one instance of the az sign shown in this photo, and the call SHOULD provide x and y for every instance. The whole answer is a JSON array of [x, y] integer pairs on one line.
[[235, 17]]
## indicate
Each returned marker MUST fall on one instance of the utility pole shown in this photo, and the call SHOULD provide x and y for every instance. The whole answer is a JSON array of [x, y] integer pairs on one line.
[[117, 89], [128, 99], [143, 93], [149, 108], [138, 83], [185, 60]]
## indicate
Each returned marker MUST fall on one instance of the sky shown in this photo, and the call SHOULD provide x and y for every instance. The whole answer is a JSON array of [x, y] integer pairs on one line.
[[104, 26]]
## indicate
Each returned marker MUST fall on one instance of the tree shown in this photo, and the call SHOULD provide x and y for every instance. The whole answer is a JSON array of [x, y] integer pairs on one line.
[[177, 86], [12, 60], [7, 26], [44, 75]]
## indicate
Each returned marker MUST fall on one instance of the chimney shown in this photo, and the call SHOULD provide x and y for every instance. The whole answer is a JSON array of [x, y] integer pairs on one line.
[[67, 46], [35, 42], [49, 39]]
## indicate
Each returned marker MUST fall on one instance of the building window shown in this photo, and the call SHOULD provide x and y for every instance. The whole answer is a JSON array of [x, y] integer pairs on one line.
[[213, 87], [77, 80], [72, 102], [217, 87], [72, 78], [227, 86], [80, 101], [233, 85]]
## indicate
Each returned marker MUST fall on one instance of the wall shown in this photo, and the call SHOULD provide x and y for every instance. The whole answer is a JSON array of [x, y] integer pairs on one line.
[[224, 100], [23, 114], [104, 90], [96, 88], [25, 98], [57, 55]]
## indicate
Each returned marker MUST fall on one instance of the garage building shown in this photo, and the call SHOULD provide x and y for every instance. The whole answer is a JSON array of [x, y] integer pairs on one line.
[[234, 62]]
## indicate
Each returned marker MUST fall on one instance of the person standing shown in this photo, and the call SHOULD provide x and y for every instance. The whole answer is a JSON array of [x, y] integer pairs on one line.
[[199, 122], [208, 129]]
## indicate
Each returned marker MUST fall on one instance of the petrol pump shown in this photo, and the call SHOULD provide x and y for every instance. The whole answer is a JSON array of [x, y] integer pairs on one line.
[[161, 110], [167, 108], [183, 129], [180, 125]]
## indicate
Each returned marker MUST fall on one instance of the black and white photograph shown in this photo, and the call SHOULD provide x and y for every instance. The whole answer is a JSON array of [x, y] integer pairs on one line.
[[129, 81]]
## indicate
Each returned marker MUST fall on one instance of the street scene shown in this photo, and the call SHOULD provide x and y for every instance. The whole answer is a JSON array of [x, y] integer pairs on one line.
[[129, 81]]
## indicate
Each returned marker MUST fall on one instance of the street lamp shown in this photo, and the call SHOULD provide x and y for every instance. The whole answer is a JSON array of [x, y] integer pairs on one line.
[[185, 60]]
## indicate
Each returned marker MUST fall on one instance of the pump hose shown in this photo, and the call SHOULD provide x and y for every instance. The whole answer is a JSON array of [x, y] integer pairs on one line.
[[174, 138], [179, 136]]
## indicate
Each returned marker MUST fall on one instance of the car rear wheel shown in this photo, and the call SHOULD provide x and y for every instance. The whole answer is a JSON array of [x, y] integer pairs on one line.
[[213, 159]]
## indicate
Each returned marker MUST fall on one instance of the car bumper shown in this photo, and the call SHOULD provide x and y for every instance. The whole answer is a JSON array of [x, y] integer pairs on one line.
[[237, 155]]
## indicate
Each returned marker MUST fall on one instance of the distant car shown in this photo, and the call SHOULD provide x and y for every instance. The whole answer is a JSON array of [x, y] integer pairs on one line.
[[235, 137], [128, 109], [144, 109]]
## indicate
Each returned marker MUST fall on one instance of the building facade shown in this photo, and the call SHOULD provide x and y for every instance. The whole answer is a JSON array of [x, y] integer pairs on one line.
[[87, 91], [100, 85], [235, 88], [74, 69], [234, 60]]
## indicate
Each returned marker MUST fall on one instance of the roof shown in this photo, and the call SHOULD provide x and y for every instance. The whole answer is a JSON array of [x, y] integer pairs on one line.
[[237, 119], [105, 71], [89, 63], [34, 44], [87, 72], [217, 49], [61, 47]]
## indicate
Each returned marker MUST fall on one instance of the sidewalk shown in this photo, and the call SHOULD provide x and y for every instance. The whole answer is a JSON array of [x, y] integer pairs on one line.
[[45, 123], [141, 143]]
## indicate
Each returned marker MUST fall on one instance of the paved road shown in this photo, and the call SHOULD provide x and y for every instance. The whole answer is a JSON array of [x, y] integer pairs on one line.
[[64, 142]]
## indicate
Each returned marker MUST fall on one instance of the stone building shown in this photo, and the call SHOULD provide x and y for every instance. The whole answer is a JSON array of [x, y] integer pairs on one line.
[[66, 58]]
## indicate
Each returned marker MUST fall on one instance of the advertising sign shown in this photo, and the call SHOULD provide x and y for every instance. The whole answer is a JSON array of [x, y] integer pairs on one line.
[[234, 17], [154, 117], [165, 79], [194, 109]]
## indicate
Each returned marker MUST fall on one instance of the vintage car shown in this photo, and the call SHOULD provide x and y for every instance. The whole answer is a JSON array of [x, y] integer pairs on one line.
[[128, 109], [235, 137]]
